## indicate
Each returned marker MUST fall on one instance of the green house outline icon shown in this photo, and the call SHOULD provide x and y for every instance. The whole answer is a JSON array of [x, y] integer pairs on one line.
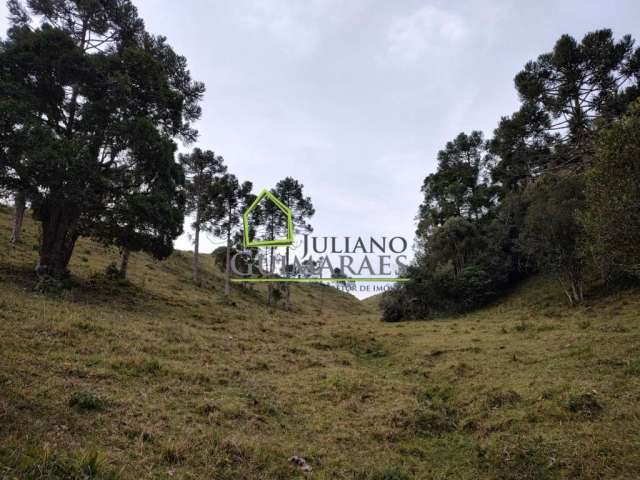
[[268, 243]]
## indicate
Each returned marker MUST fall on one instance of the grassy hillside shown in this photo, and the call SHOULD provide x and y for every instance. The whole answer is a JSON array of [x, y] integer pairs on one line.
[[373, 302], [157, 378]]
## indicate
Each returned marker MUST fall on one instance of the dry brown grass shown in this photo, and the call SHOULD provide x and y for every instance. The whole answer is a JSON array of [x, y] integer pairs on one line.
[[158, 378]]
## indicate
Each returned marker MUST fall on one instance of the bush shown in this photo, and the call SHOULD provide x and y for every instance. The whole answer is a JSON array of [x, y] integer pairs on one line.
[[473, 288], [612, 217], [552, 235], [394, 305], [441, 283], [442, 292]]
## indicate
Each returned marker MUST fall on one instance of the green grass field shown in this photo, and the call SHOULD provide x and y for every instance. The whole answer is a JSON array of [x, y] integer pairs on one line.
[[159, 378]]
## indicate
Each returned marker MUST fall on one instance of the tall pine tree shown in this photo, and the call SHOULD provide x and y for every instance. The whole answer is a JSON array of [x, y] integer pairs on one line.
[[202, 168], [290, 192], [230, 199]]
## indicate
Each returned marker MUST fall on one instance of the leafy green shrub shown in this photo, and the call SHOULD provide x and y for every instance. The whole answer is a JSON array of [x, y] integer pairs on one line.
[[393, 304], [552, 236], [612, 216], [440, 292], [472, 288]]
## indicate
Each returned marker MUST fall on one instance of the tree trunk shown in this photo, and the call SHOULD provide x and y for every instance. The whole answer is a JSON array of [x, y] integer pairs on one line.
[[227, 271], [270, 285], [577, 291], [124, 262], [287, 286], [20, 207], [59, 235], [573, 288], [196, 245]]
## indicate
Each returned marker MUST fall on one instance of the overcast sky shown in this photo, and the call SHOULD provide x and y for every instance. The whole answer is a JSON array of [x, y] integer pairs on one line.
[[355, 98]]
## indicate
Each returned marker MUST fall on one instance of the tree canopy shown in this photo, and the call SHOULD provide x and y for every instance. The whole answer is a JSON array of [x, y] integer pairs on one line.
[[496, 211], [96, 102]]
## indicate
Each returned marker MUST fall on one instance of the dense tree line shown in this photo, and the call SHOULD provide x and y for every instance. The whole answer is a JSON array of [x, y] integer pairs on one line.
[[91, 107], [555, 190]]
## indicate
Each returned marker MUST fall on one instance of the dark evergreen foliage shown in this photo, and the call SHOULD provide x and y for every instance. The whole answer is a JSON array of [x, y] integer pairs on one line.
[[496, 211], [230, 199], [202, 169], [91, 105]]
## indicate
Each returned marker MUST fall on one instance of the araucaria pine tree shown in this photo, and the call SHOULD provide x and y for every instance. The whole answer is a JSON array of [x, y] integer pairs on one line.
[[230, 200], [83, 78], [290, 192], [202, 168]]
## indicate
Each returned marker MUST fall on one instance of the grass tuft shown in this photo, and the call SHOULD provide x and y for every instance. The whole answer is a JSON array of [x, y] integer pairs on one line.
[[87, 402], [500, 399], [586, 404]]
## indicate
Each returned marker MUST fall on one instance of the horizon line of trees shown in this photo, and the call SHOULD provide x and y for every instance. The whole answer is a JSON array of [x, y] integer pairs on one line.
[[555, 190], [217, 201]]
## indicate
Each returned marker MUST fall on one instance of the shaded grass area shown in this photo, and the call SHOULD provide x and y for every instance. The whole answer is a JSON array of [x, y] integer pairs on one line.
[[159, 378]]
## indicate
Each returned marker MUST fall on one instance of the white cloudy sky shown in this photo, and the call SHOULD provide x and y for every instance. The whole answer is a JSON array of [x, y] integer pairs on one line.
[[355, 98]]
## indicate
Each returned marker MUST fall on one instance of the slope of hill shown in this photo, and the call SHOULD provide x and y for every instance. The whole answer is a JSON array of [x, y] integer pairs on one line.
[[157, 378], [373, 302]]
